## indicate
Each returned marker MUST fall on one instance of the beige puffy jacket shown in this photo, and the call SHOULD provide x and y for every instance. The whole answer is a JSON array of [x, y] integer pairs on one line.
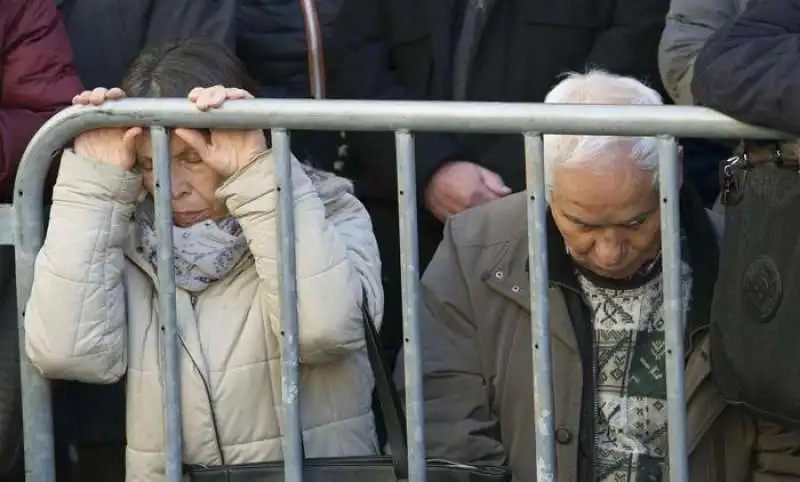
[[92, 317]]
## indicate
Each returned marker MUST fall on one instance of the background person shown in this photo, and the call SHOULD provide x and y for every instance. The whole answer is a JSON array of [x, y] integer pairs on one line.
[[37, 78], [689, 25]]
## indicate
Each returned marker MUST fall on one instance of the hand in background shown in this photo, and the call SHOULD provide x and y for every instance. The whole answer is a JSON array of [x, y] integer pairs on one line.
[[460, 185]]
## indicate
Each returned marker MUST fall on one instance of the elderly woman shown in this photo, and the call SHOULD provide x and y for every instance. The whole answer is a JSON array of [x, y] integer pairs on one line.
[[93, 312]]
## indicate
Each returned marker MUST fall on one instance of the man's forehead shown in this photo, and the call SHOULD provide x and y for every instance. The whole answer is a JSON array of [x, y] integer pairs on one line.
[[604, 196], [589, 185]]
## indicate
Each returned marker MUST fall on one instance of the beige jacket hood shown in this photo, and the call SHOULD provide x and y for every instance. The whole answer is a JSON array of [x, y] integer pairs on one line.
[[93, 317]]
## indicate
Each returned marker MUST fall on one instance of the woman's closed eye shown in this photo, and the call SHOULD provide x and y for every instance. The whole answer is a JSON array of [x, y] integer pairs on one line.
[[190, 160], [145, 164]]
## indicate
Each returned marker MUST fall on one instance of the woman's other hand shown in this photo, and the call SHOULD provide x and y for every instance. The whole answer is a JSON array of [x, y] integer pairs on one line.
[[114, 145], [226, 150]]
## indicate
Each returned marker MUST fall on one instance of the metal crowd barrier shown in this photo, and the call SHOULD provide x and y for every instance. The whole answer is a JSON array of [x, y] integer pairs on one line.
[[22, 226]]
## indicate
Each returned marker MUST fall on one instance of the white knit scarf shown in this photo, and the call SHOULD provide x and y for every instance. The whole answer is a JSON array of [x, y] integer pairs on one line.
[[203, 253]]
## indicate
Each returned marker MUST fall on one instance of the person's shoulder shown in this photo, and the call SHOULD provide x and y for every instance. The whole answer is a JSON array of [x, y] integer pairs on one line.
[[27, 15], [494, 223]]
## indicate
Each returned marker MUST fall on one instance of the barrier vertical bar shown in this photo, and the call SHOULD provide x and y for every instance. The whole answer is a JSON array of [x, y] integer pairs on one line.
[[167, 318], [37, 413], [540, 308], [293, 431], [409, 264], [669, 176]]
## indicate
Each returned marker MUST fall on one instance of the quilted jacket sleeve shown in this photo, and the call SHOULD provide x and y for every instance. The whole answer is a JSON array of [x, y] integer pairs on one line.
[[337, 255], [75, 322], [749, 68], [689, 25]]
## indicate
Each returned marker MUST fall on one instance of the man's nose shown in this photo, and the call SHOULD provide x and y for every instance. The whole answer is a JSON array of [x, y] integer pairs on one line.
[[609, 252]]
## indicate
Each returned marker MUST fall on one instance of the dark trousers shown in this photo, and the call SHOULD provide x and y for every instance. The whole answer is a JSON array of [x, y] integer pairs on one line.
[[91, 462], [89, 426]]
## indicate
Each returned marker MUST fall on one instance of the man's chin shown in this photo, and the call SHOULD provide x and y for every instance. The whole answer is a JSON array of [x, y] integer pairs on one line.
[[611, 273]]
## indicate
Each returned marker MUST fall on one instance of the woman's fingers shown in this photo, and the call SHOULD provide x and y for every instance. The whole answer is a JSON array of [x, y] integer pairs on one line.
[[129, 137], [194, 139], [195, 93], [80, 99], [115, 93], [214, 97], [210, 98], [237, 94], [98, 96]]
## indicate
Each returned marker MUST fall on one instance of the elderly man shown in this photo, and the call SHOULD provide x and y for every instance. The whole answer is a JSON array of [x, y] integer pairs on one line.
[[606, 318]]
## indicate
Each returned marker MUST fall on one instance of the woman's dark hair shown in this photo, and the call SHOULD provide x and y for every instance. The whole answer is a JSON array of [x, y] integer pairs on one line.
[[174, 69]]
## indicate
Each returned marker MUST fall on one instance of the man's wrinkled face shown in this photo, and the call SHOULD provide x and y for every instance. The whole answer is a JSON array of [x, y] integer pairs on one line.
[[608, 214]]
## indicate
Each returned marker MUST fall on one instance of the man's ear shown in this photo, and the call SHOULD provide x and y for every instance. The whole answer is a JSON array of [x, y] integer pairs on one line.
[[680, 166]]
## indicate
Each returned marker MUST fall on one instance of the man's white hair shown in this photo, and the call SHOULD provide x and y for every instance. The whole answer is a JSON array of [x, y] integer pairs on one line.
[[599, 87]]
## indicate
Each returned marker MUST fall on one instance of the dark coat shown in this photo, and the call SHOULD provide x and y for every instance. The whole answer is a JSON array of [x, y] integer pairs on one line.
[[403, 49], [37, 78], [271, 40], [107, 35], [750, 68]]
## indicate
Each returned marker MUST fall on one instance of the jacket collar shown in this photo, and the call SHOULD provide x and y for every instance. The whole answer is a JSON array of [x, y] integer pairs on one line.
[[509, 274]]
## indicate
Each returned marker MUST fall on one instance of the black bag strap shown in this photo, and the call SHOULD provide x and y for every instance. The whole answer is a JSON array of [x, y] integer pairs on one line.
[[388, 398]]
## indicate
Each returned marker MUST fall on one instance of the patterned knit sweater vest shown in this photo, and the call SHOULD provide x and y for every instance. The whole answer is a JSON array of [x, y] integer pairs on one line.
[[631, 388]]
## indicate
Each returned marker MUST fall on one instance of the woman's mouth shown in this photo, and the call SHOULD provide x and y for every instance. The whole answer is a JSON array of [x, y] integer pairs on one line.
[[184, 219]]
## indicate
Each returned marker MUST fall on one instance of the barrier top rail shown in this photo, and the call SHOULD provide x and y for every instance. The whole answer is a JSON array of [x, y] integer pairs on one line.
[[484, 117]]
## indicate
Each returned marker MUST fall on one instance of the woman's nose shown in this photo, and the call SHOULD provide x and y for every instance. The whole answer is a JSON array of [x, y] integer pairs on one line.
[[180, 186]]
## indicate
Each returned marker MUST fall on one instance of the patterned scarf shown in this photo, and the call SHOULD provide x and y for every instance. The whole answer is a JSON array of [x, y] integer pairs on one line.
[[203, 253]]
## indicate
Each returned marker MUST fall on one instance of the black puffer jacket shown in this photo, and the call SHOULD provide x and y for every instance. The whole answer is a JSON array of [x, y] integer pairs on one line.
[[271, 40], [750, 68]]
